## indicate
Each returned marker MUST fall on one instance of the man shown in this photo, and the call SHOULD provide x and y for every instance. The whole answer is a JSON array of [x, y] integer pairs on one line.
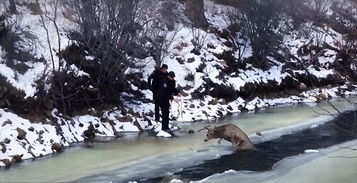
[[154, 80], [165, 92]]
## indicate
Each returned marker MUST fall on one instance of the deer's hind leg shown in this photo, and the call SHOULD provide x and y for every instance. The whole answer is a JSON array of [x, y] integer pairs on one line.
[[236, 141]]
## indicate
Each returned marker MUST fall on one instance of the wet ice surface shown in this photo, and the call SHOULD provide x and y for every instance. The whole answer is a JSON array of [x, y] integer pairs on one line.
[[330, 165], [137, 157], [269, 153]]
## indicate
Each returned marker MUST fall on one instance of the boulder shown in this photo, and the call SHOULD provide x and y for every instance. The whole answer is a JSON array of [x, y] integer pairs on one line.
[[6, 141], [16, 158], [31, 129], [90, 132], [323, 96], [6, 162], [302, 87], [56, 147], [7, 122], [214, 101], [3, 147], [21, 134], [190, 60], [125, 119]]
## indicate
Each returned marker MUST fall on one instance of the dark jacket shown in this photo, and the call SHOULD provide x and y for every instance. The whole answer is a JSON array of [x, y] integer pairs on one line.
[[155, 79], [167, 89]]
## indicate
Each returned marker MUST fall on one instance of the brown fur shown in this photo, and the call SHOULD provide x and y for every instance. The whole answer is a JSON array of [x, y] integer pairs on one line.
[[233, 134]]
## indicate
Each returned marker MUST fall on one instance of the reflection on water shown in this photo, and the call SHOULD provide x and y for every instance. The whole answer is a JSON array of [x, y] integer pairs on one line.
[[128, 156]]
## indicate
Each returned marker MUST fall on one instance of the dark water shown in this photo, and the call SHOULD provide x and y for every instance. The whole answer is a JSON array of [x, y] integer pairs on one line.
[[339, 130]]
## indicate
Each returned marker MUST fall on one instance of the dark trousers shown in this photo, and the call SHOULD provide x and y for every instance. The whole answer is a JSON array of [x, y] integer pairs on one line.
[[164, 105], [157, 110]]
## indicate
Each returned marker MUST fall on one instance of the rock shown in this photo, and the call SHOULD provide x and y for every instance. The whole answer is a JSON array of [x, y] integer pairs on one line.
[[191, 131], [137, 124], [302, 87], [190, 60], [21, 134], [6, 141], [56, 147], [93, 112], [31, 129], [259, 133], [3, 148], [211, 46], [222, 102], [192, 106], [322, 96], [329, 86], [6, 162], [180, 60], [184, 94], [214, 101], [184, 44], [90, 132], [16, 158], [187, 87], [7, 122], [292, 92], [125, 119], [230, 108]]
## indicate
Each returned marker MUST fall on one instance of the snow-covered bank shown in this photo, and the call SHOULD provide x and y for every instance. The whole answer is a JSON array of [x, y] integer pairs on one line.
[[21, 138], [216, 80], [134, 154]]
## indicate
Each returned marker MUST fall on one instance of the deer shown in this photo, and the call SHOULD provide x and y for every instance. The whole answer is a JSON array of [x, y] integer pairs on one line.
[[231, 133]]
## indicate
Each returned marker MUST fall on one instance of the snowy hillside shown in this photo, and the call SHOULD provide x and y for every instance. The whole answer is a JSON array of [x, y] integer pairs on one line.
[[215, 72]]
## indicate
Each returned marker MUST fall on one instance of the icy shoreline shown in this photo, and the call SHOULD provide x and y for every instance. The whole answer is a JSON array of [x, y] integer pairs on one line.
[[292, 167], [21, 138]]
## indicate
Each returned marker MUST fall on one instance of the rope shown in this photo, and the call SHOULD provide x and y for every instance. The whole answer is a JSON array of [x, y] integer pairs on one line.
[[180, 113]]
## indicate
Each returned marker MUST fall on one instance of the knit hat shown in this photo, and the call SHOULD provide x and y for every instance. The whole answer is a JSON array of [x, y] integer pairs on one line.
[[172, 74], [164, 66]]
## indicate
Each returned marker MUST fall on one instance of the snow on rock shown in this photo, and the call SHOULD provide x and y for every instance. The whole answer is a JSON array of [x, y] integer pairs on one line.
[[163, 134], [311, 151], [31, 140], [176, 181]]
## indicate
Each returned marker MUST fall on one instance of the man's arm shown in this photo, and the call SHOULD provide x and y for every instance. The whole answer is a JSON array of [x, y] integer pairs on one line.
[[150, 79]]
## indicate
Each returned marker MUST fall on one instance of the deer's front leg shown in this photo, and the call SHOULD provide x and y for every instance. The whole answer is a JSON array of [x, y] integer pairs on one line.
[[219, 141]]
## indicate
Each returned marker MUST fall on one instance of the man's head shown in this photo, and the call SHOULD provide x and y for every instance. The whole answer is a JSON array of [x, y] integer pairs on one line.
[[164, 68], [172, 75]]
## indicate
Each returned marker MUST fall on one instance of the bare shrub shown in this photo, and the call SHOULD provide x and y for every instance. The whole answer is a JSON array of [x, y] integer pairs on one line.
[[199, 38], [259, 21]]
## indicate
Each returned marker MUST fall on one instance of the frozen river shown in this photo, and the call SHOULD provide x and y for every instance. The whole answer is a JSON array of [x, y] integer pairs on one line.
[[145, 158]]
